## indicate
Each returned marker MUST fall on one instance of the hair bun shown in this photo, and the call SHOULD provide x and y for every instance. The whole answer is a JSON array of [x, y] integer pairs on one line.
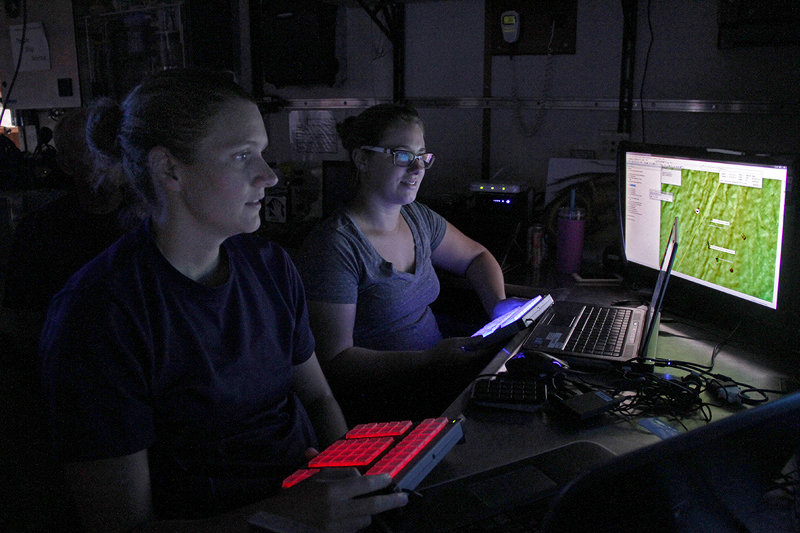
[[102, 128], [344, 127]]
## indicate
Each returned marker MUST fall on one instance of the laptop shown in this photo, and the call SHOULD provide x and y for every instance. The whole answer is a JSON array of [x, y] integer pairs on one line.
[[593, 336]]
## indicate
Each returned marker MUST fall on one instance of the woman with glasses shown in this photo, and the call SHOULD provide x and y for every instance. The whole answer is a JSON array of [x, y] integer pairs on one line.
[[369, 275]]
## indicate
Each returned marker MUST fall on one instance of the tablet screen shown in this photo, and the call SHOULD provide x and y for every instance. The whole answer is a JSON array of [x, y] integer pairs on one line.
[[507, 318]]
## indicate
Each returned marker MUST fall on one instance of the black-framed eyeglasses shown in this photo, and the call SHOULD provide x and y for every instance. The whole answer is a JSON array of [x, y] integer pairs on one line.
[[404, 158]]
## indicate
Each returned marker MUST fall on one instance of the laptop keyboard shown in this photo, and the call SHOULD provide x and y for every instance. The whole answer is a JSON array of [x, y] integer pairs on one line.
[[600, 331]]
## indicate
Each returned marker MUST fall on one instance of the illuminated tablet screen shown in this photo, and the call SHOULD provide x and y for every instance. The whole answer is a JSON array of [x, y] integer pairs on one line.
[[507, 318]]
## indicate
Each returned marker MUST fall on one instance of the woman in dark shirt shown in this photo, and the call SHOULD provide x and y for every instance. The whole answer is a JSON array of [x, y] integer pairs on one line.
[[179, 364]]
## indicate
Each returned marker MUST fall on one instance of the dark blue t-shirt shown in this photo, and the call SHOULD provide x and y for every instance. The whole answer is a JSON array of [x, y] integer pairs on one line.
[[137, 356], [49, 245]]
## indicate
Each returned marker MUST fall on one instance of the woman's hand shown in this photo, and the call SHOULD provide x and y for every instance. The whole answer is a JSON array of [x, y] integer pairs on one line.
[[337, 500], [504, 306]]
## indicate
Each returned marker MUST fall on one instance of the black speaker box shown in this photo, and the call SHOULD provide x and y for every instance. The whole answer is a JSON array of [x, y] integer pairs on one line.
[[298, 42], [499, 221]]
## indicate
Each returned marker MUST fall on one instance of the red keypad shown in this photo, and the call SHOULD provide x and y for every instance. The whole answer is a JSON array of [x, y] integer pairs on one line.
[[377, 448]]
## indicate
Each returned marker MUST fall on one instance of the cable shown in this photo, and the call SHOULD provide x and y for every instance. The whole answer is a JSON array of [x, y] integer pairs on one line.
[[644, 70], [665, 362], [712, 336], [634, 394], [637, 394], [379, 39], [657, 396], [533, 129], [722, 343]]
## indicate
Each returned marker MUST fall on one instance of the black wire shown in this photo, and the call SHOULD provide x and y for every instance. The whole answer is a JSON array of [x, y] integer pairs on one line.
[[712, 333], [547, 81], [723, 342], [644, 70], [643, 394], [659, 396], [675, 335], [695, 366], [682, 365]]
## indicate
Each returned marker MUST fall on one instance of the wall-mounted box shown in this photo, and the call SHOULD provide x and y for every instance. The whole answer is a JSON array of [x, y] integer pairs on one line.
[[48, 73], [545, 26], [743, 23]]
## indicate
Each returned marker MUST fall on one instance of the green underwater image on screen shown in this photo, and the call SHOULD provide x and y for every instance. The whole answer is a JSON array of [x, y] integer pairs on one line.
[[729, 232]]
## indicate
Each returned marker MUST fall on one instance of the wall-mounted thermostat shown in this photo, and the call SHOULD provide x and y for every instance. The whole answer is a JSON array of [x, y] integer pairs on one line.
[[509, 23]]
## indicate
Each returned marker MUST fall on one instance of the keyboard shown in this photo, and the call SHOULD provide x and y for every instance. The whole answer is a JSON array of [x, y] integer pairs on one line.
[[506, 392], [600, 330], [404, 450]]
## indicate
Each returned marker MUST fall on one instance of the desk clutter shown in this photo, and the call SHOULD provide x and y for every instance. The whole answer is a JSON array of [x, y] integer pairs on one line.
[[632, 390], [736, 474]]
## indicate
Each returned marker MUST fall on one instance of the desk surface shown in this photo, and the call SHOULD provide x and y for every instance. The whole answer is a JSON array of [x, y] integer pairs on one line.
[[495, 437]]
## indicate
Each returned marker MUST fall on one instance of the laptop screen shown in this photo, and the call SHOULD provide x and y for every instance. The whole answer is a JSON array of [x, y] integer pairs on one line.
[[665, 269]]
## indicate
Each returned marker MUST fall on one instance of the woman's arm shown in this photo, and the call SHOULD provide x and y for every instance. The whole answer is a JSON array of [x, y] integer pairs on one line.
[[312, 388], [347, 364], [463, 256], [113, 496], [333, 329]]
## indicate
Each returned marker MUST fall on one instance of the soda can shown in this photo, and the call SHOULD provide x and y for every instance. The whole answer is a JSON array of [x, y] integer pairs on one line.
[[536, 240]]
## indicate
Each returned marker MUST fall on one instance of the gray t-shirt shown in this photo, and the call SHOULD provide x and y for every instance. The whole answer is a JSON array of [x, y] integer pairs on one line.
[[338, 264]]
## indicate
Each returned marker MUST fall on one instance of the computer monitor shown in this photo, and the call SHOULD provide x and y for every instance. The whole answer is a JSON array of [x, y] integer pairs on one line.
[[732, 208]]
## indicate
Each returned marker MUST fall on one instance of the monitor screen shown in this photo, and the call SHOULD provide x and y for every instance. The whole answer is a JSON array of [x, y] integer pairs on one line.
[[732, 213]]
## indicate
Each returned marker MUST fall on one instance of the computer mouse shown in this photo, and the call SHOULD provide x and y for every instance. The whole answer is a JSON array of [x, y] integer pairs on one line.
[[535, 363]]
